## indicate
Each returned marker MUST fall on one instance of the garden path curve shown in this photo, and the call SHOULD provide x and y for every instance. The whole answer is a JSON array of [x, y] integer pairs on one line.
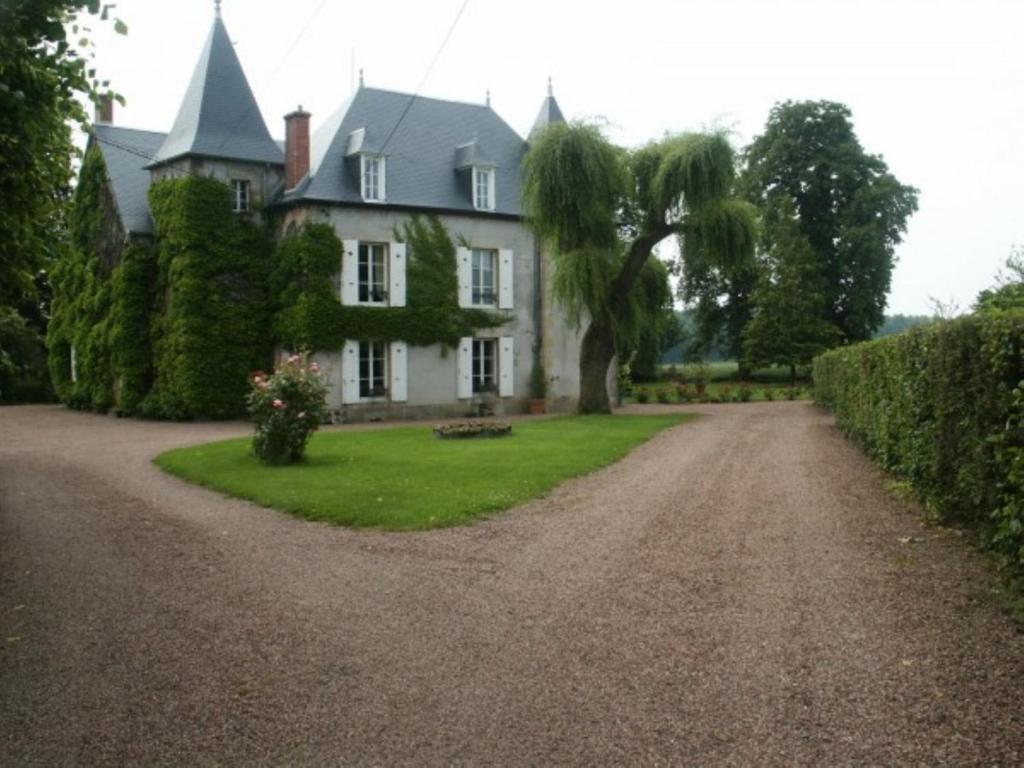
[[741, 590]]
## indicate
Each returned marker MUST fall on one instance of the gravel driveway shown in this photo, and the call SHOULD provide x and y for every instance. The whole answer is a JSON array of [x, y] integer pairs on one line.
[[741, 590]]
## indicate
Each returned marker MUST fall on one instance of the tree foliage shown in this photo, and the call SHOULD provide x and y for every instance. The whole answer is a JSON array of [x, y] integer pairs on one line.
[[851, 209], [602, 210], [1008, 292], [43, 71], [788, 326]]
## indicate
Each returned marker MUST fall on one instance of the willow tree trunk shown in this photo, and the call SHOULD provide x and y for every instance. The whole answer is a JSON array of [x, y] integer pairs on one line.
[[596, 353], [598, 346]]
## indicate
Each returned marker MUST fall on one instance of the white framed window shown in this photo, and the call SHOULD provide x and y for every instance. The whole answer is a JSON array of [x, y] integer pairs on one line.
[[372, 173], [240, 200], [485, 355], [372, 273], [483, 189], [484, 277], [372, 369]]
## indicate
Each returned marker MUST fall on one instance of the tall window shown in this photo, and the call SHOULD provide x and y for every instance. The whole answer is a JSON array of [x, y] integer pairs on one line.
[[373, 178], [483, 189], [484, 356], [372, 374], [485, 263], [372, 273], [240, 193]]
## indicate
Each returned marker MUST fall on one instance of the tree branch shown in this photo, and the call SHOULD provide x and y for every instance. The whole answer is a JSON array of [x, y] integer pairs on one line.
[[639, 251]]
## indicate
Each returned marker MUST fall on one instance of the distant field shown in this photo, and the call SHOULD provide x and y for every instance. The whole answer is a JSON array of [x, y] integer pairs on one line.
[[729, 371]]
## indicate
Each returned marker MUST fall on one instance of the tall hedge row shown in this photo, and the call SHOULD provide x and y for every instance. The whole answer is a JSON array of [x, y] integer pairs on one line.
[[942, 407]]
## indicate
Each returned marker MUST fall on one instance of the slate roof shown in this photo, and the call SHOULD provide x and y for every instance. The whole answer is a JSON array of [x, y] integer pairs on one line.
[[126, 152], [219, 116], [549, 113], [422, 153]]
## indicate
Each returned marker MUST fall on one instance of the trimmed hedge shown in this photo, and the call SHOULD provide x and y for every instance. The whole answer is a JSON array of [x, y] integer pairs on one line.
[[942, 407]]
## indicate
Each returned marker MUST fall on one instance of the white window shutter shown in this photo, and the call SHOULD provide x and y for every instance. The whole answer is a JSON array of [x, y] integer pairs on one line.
[[506, 278], [491, 196], [396, 293], [506, 366], [464, 264], [464, 369], [382, 179], [350, 373], [399, 375], [350, 272]]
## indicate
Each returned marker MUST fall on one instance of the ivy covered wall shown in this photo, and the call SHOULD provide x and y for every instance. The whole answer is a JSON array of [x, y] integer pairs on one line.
[[309, 314], [170, 327], [167, 328], [211, 322]]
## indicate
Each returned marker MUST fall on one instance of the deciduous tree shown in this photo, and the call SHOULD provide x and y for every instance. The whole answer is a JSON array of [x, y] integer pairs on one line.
[[850, 208], [787, 327], [602, 210], [43, 72]]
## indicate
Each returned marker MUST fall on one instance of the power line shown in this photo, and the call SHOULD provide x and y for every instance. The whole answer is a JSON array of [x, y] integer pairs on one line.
[[423, 81]]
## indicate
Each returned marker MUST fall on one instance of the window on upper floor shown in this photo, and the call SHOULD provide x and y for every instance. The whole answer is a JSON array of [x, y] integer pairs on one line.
[[484, 277], [240, 200], [373, 169], [483, 189], [372, 276]]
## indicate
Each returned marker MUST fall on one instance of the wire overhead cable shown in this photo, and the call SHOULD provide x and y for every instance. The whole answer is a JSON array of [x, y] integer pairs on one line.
[[430, 68]]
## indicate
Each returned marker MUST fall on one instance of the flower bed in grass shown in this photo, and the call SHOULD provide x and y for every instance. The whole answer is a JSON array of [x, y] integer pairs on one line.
[[469, 429]]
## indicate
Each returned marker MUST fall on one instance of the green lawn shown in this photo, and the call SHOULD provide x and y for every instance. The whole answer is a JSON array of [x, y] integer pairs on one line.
[[406, 478]]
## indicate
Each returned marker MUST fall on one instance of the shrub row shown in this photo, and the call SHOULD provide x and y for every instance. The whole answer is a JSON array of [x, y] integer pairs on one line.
[[942, 407]]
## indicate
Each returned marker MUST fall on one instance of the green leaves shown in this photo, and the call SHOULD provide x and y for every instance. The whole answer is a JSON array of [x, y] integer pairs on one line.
[[852, 211], [308, 314], [574, 181], [940, 407]]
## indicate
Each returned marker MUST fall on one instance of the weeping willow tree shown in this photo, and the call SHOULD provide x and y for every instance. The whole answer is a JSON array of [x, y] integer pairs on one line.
[[602, 210]]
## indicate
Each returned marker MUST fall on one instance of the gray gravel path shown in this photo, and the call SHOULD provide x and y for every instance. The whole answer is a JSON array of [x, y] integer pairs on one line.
[[735, 592]]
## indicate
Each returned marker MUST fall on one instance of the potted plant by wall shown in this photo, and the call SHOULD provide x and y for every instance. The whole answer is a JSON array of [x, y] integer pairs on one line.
[[538, 390]]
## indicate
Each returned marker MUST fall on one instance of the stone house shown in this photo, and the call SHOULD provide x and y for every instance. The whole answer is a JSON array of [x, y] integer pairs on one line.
[[380, 159]]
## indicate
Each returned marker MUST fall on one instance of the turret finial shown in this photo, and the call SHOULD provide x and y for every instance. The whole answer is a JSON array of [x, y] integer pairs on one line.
[[488, 97], [360, 77], [551, 90], [216, 8]]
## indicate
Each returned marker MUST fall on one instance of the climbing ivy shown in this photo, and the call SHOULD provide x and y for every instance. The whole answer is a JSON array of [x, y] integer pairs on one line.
[[310, 316], [133, 284], [212, 313], [82, 297], [171, 327]]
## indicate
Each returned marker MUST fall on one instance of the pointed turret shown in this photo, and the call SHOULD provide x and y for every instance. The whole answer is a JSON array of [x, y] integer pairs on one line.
[[549, 113], [219, 117]]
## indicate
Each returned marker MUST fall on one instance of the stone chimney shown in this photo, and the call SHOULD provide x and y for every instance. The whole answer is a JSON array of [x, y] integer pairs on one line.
[[296, 147], [105, 108]]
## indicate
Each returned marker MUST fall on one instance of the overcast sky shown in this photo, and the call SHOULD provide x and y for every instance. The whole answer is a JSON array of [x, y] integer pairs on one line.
[[936, 86]]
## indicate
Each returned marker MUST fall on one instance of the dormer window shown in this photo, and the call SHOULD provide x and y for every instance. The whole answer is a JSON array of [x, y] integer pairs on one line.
[[372, 173], [483, 188], [239, 195]]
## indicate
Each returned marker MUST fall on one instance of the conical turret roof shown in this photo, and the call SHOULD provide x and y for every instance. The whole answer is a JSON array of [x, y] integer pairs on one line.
[[549, 113], [219, 116]]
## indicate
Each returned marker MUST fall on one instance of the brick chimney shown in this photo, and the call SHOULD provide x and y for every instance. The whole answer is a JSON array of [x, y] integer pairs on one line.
[[296, 147], [105, 108]]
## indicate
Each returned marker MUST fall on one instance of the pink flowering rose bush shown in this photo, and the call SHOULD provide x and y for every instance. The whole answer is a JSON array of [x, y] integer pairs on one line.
[[287, 407]]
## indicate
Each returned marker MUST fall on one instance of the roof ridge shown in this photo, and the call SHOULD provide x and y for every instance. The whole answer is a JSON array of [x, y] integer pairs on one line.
[[429, 98], [128, 128]]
